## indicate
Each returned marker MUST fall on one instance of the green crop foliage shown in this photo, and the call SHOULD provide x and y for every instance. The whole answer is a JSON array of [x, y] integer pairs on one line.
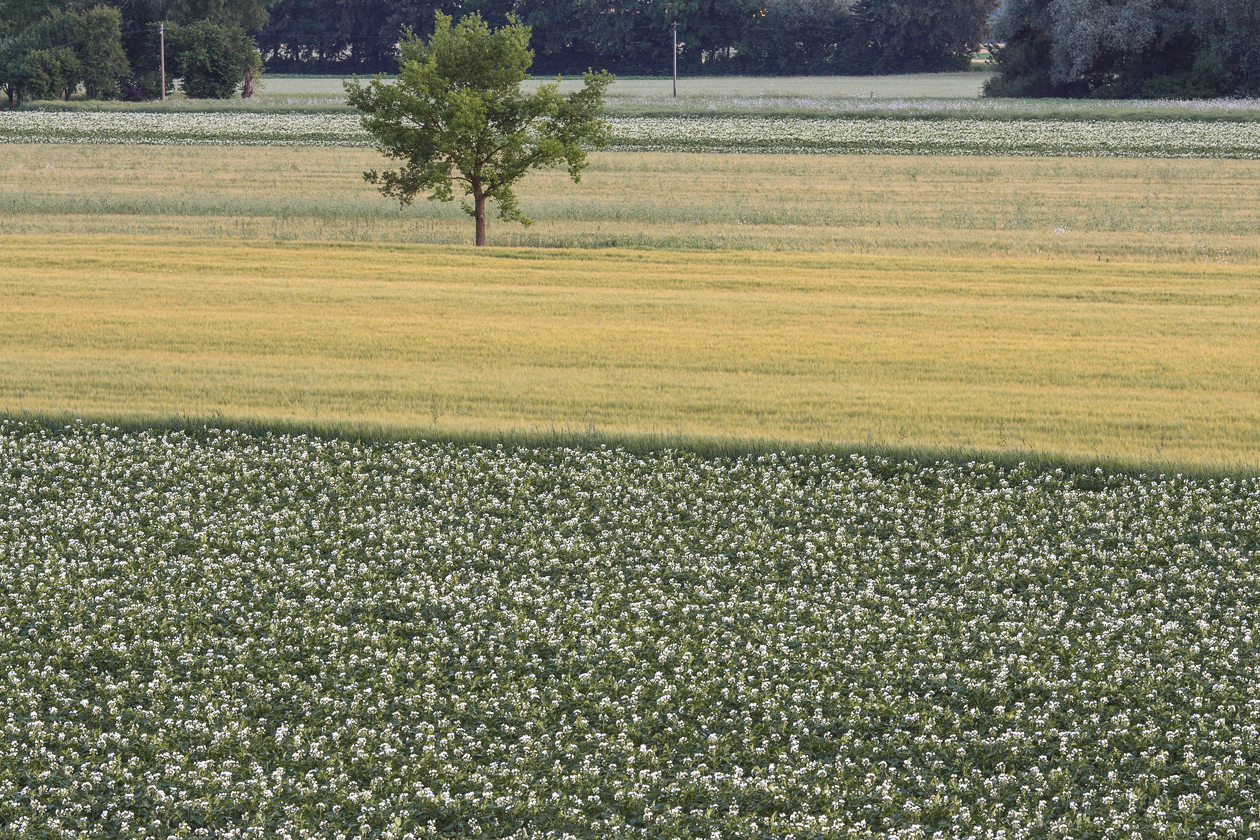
[[213, 633]]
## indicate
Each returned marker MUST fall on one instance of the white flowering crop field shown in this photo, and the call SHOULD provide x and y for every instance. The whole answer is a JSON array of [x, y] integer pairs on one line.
[[953, 136], [217, 634], [1084, 138]]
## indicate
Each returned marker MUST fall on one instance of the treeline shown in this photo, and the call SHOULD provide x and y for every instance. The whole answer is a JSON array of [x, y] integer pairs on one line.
[[1069, 48], [633, 37], [1127, 48], [51, 49]]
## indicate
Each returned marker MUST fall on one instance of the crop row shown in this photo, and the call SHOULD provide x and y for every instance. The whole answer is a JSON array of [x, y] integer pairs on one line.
[[1107, 138], [953, 107], [228, 635]]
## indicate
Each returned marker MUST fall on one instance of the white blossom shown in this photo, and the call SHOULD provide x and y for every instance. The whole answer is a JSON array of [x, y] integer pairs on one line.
[[215, 634]]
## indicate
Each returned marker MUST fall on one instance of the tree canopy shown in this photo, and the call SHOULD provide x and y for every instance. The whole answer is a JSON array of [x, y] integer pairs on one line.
[[110, 48], [1128, 48], [457, 116], [633, 36], [913, 36], [51, 56]]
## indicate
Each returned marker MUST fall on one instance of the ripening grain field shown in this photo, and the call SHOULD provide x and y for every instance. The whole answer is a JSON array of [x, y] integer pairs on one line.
[[1087, 308], [1141, 363], [214, 634]]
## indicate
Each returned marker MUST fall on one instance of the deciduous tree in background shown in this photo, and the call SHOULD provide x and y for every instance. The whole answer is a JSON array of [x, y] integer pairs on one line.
[[17, 15], [140, 20], [457, 115], [1128, 48], [48, 74], [213, 59], [52, 56], [98, 45], [917, 36]]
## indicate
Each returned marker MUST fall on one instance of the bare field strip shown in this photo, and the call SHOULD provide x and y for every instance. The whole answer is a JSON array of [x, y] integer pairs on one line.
[[1036, 209], [1149, 362]]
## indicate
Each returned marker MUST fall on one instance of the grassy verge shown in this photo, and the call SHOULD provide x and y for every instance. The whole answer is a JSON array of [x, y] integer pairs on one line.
[[644, 445]]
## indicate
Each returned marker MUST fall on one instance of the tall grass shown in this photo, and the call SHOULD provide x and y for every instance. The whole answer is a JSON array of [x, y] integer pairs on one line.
[[1038, 209]]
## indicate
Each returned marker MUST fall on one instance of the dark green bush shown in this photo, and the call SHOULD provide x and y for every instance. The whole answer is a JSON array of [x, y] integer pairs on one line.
[[211, 58]]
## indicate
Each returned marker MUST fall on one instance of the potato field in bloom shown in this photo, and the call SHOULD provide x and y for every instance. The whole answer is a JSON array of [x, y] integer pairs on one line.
[[216, 634], [953, 136]]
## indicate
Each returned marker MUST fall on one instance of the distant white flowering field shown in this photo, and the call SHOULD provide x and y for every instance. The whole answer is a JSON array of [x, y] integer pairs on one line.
[[223, 635], [184, 129], [1087, 138]]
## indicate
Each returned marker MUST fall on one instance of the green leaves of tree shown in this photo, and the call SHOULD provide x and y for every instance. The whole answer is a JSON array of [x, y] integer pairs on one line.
[[54, 54], [1130, 48], [212, 58], [457, 115]]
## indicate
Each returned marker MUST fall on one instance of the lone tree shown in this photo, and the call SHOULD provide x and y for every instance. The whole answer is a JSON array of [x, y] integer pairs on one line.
[[457, 114]]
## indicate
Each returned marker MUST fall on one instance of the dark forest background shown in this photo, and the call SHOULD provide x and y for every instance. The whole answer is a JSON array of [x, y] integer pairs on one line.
[[1128, 48], [633, 37], [109, 49]]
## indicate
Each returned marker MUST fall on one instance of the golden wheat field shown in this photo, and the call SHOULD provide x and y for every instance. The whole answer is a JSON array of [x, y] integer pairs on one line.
[[1090, 308], [1152, 362]]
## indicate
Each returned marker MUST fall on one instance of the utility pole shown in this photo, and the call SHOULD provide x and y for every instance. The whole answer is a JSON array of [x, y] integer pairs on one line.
[[675, 25], [162, 38]]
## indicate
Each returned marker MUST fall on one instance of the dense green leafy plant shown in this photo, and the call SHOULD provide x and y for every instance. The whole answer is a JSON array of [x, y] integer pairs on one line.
[[212, 59], [457, 114], [915, 36], [1153, 48], [51, 57], [141, 39], [99, 47], [48, 74], [224, 635], [797, 36]]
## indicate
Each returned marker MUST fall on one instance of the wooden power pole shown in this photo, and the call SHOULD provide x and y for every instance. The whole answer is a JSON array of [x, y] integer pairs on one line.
[[675, 26], [162, 38]]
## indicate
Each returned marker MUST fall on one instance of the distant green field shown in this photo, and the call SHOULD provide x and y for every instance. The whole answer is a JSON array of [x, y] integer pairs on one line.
[[932, 95], [646, 91], [1192, 211]]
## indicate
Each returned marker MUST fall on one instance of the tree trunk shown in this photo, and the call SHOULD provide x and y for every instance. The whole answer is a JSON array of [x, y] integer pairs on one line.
[[479, 208]]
